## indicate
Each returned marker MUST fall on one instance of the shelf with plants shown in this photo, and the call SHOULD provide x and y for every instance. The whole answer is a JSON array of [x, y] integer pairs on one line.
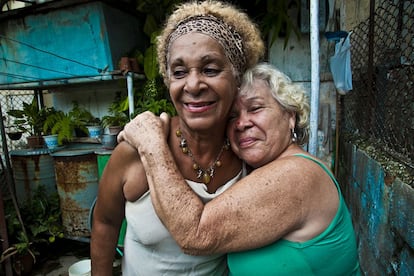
[[30, 120], [70, 125]]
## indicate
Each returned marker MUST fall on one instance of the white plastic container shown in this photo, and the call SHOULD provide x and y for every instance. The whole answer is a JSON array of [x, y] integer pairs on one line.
[[81, 268]]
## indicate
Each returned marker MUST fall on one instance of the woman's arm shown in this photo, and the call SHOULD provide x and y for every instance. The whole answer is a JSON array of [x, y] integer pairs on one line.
[[123, 172], [257, 210]]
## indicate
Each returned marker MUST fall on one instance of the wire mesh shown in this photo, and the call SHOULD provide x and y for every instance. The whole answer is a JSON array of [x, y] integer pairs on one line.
[[380, 109], [14, 99]]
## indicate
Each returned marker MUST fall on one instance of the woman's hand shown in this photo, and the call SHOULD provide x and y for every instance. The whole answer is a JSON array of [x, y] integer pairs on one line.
[[146, 128]]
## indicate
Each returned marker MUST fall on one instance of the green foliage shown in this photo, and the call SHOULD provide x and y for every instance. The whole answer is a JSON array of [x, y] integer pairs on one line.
[[150, 63], [275, 21], [152, 98], [118, 112], [155, 12], [156, 107], [42, 216], [31, 118], [61, 124], [42, 223], [64, 124], [81, 116]]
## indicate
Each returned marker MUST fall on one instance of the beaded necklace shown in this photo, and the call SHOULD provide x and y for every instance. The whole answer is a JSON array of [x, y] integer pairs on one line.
[[204, 174]]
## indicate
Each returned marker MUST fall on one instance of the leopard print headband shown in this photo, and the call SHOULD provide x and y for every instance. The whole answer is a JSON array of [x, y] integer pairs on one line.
[[225, 34]]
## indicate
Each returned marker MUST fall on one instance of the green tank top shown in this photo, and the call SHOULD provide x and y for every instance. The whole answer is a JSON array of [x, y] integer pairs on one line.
[[333, 252]]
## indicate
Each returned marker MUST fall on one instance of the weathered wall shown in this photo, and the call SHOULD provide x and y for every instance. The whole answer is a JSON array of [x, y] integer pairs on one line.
[[382, 211], [65, 42]]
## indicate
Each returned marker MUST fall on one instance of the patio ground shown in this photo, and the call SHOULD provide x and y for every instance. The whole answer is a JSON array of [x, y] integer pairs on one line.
[[61, 256]]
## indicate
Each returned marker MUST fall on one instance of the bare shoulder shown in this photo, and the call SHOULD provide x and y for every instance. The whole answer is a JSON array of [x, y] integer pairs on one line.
[[124, 150], [134, 178]]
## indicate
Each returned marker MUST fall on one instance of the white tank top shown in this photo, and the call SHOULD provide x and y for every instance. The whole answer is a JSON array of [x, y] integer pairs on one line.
[[149, 249]]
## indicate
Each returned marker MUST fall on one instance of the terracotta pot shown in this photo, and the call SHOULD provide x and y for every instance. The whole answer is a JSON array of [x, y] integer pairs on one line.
[[23, 264], [35, 142], [115, 129]]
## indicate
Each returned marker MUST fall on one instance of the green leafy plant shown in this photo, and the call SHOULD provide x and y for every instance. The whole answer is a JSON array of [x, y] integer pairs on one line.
[[273, 17], [35, 223], [152, 98], [62, 124], [81, 116], [21, 247], [117, 112], [65, 124], [31, 118]]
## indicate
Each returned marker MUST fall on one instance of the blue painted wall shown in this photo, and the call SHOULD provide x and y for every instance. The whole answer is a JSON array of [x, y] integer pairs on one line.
[[87, 37], [382, 210]]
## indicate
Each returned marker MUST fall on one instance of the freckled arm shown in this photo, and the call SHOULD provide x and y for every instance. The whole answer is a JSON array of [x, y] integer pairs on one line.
[[247, 215]]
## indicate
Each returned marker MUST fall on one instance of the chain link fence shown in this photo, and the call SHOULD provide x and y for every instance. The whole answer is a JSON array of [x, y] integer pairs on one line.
[[13, 99], [379, 112]]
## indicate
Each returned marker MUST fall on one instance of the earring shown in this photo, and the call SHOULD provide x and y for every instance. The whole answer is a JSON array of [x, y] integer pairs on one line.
[[294, 136]]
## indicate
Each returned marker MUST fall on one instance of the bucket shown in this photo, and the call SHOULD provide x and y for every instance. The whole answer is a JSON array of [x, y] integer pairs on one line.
[[81, 268]]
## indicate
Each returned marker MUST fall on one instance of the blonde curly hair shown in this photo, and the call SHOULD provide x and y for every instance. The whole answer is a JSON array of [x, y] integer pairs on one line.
[[253, 46], [292, 97]]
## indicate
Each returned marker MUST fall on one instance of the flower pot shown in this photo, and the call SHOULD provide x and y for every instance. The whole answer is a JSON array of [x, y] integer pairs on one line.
[[23, 264], [108, 141], [94, 131], [15, 135], [115, 129], [35, 142], [51, 141]]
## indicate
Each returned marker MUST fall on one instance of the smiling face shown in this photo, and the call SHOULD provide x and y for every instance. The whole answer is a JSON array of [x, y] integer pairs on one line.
[[259, 128], [202, 83]]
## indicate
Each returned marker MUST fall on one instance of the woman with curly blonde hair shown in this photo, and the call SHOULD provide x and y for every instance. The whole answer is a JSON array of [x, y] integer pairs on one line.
[[287, 217], [203, 51]]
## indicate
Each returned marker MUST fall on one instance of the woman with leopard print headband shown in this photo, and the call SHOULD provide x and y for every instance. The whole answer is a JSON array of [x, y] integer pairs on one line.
[[203, 50]]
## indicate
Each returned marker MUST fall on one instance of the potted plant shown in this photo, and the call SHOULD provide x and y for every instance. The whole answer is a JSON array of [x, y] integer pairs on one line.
[[117, 115], [84, 122], [70, 124], [115, 122], [30, 120], [61, 124]]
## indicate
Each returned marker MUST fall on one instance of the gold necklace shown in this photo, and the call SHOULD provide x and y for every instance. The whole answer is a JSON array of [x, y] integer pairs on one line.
[[204, 174]]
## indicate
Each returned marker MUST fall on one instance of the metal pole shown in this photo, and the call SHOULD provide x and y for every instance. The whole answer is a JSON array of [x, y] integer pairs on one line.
[[130, 86], [315, 76]]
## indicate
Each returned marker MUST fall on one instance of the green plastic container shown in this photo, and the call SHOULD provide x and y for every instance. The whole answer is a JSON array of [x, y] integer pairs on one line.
[[102, 158]]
